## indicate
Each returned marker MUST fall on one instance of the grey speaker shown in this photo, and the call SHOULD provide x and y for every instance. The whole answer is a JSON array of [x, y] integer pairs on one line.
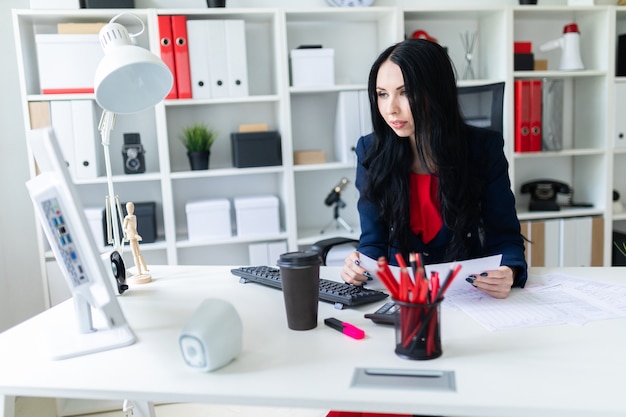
[[212, 337]]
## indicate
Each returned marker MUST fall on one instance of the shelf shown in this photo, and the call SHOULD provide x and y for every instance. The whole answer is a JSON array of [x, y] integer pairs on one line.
[[118, 179], [563, 153], [228, 100], [50, 97], [226, 172], [183, 242], [559, 74], [324, 167], [525, 215], [327, 89], [305, 117]]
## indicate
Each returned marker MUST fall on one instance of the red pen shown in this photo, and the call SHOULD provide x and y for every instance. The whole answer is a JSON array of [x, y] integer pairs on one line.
[[345, 328], [454, 270], [405, 284], [400, 260], [434, 281], [385, 275]]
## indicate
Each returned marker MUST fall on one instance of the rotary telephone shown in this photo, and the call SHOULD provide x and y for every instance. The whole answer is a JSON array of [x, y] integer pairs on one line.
[[543, 194]]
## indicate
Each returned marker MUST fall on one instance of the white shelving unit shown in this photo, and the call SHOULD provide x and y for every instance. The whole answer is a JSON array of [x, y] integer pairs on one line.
[[357, 38], [583, 161], [617, 142], [305, 117]]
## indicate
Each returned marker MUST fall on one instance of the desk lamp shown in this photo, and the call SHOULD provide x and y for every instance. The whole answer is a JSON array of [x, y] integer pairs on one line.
[[129, 79]]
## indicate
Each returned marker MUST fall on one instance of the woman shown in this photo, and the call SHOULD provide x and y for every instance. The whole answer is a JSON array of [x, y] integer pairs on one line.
[[428, 182]]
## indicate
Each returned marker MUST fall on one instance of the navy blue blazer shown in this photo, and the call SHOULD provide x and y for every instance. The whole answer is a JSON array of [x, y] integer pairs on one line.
[[501, 231]]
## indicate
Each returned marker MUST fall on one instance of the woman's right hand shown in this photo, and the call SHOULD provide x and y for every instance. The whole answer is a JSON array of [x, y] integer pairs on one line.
[[352, 271]]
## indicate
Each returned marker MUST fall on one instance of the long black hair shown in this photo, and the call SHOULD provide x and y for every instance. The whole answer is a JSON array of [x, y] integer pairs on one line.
[[441, 138]]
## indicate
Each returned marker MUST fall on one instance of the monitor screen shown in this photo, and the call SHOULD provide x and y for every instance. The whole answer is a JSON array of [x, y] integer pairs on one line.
[[481, 105], [101, 322]]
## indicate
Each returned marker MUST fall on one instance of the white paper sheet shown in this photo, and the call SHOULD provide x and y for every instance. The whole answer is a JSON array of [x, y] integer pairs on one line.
[[547, 300], [468, 267]]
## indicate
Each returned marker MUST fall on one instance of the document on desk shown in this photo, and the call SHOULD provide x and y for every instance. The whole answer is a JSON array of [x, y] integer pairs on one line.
[[547, 300], [468, 267]]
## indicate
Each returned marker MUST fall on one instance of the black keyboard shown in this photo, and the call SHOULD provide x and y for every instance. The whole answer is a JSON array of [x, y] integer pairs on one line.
[[340, 293]]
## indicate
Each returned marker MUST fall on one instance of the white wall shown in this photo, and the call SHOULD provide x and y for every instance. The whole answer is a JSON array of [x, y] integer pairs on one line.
[[21, 284]]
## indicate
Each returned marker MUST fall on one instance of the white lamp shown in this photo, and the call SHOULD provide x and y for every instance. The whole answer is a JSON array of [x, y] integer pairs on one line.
[[129, 79]]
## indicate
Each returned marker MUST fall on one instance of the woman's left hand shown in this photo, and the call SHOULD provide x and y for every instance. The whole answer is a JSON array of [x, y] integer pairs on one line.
[[496, 283]]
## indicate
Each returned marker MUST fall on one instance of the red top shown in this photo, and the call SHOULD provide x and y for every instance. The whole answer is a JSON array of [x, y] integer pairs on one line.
[[424, 206]]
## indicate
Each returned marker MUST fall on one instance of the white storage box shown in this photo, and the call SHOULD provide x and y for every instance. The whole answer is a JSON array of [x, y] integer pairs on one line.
[[208, 219], [55, 4], [312, 67], [67, 63], [257, 215]]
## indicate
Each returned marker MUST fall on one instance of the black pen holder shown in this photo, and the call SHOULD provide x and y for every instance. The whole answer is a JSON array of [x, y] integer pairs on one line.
[[418, 335]]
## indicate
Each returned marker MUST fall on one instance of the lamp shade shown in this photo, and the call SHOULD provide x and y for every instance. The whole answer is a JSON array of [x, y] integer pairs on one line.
[[129, 78]]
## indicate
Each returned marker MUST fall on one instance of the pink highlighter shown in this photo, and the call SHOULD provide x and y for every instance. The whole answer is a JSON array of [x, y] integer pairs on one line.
[[345, 328]]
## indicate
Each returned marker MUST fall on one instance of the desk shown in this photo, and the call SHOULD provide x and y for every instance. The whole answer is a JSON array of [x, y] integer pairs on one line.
[[548, 371]]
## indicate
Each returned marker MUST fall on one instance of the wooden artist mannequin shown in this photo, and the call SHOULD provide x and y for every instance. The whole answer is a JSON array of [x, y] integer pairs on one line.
[[133, 238]]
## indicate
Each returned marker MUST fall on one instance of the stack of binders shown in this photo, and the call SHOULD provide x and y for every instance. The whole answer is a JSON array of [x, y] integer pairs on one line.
[[74, 122], [206, 57], [528, 115]]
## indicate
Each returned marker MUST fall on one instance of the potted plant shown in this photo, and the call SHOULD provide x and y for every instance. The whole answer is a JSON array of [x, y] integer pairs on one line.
[[198, 140]]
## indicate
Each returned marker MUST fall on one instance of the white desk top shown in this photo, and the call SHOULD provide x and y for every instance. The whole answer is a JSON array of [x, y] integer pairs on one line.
[[547, 371]]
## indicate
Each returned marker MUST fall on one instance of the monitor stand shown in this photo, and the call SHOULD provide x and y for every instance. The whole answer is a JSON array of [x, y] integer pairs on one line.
[[68, 341]]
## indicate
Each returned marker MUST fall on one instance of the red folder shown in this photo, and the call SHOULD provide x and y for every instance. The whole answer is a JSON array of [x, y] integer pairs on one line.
[[167, 50], [181, 56], [535, 115], [522, 116]]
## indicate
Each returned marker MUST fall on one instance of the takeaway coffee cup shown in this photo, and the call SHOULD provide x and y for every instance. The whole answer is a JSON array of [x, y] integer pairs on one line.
[[300, 276]]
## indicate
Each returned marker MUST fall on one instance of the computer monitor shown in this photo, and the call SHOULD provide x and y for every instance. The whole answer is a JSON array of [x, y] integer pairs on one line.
[[481, 105], [101, 322]]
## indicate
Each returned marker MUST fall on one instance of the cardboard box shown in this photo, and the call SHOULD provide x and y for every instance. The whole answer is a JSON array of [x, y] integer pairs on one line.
[[208, 219], [67, 63], [257, 215], [541, 65], [309, 157], [312, 67]]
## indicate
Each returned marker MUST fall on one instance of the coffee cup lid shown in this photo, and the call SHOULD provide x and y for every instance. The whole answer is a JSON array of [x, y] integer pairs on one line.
[[299, 258]]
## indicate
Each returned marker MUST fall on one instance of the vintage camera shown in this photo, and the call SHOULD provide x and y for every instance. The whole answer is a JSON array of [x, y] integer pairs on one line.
[[133, 153]]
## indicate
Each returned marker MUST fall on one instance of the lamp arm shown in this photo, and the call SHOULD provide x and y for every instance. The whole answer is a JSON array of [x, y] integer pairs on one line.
[[132, 35], [113, 208]]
